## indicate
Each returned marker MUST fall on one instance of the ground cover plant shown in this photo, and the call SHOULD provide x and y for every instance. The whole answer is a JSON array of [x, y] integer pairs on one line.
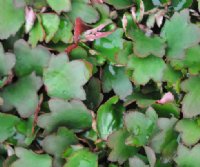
[[99, 83]]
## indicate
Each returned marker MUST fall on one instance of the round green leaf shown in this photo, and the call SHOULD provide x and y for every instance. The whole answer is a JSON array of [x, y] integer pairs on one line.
[[82, 158], [188, 157], [73, 115], [31, 159], [83, 10], [63, 139], [60, 5], [189, 131], [111, 45], [147, 68], [180, 26], [7, 62], [30, 60], [22, 95], [191, 101], [120, 151], [115, 78], [141, 126], [191, 61], [65, 79], [11, 18], [165, 141], [137, 162]]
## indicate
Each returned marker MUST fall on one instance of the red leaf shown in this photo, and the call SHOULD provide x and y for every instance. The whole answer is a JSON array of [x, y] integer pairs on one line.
[[79, 28]]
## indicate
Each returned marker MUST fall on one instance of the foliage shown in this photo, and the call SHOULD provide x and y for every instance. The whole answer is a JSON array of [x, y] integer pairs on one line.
[[99, 83]]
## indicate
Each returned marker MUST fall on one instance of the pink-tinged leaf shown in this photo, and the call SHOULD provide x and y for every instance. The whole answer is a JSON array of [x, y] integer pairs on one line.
[[96, 1], [30, 18], [133, 12], [159, 17], [124, 22], [168, 97], [96, 33], [137, 14], [141, 11]]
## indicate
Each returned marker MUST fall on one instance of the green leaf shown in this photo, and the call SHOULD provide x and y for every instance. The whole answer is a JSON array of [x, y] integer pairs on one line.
[[122, 57], [181, 4], [22, 95], [31, 159], [37, 4], [188, 157], [7, 126], [141, 126], [64, 32], [118, 4], [93, 93], [120, 151], [110, 46], [37, 33], [50, 23], [11, 18], [60, 5], [142, 100], [165, 141], [30, 60], [188, 33], [191, 101], [115, 78], [82, 158], [7, 62], [109, 117], [78, 53], [104, 12], [83, 10], [145, 45], [190, 61], [136, 162], [167, 110], [25, 128], [63, 139], [172, 76], [73, 115], [145, 69], [65, 79], [189, 130]]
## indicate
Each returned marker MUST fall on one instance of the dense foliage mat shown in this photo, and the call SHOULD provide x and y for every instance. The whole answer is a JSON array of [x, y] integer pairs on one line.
[[99, 83]]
